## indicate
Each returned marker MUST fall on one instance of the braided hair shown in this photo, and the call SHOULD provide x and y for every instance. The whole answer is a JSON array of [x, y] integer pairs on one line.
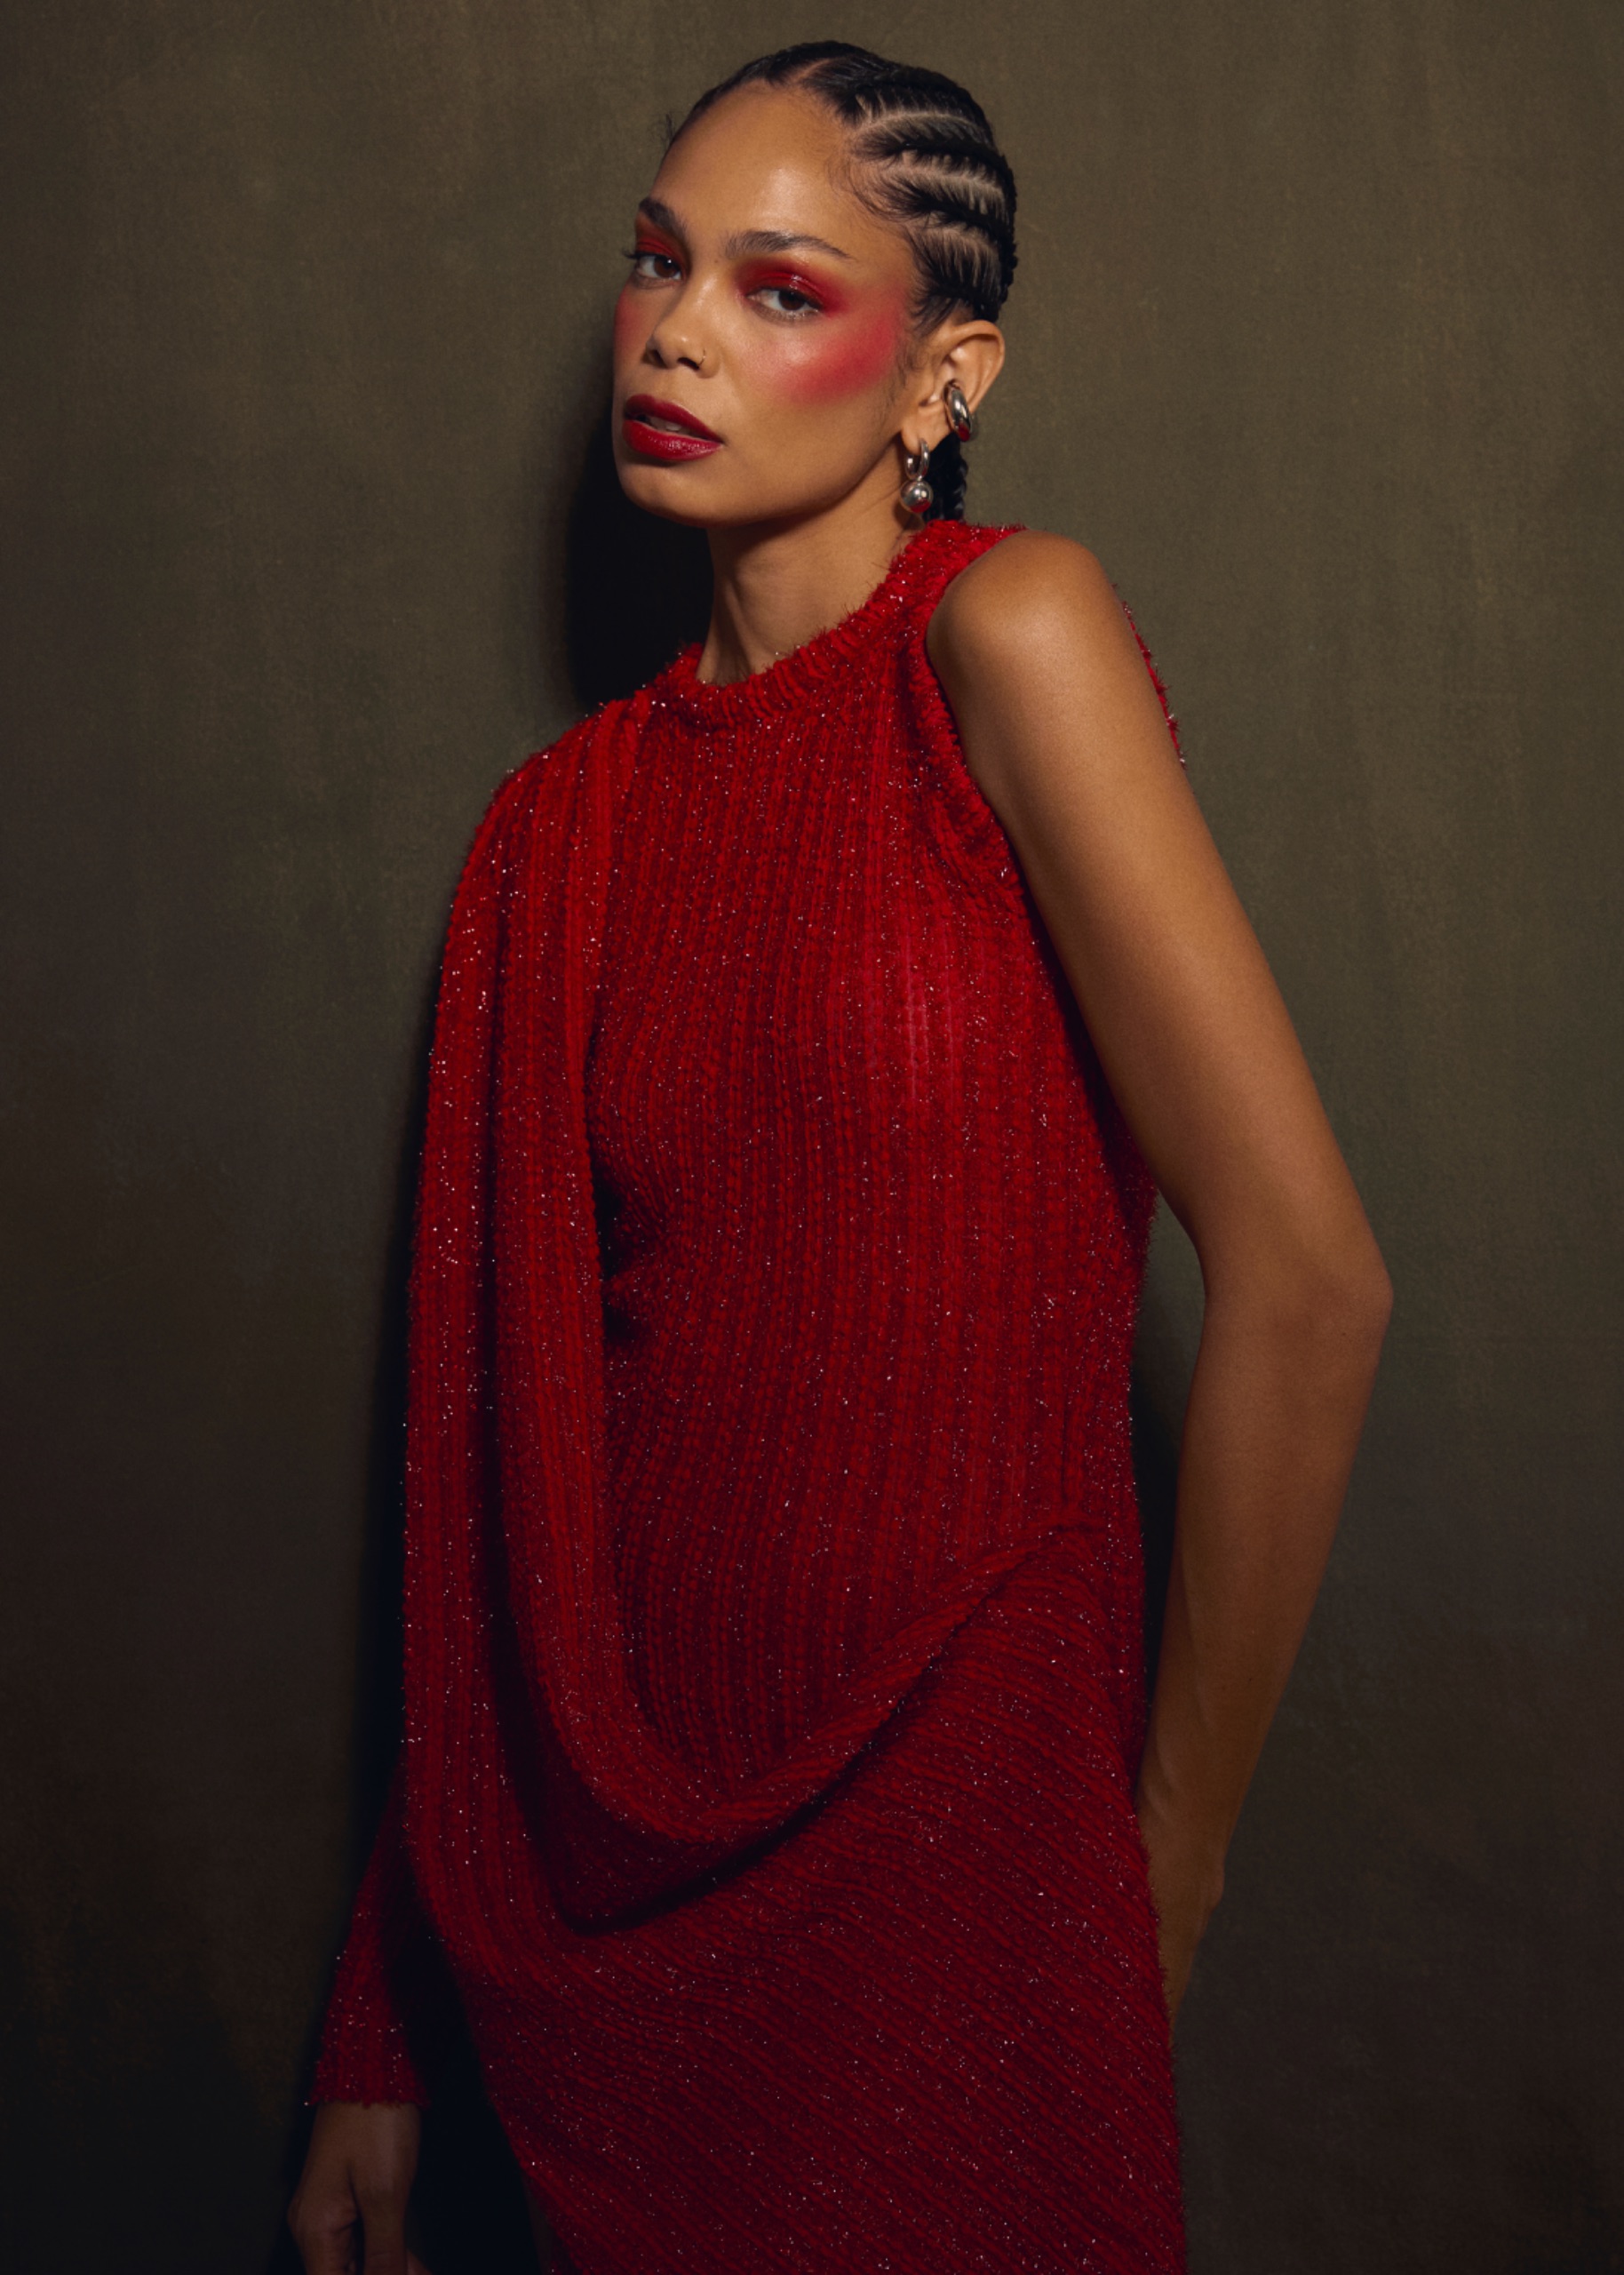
[[925, 158]]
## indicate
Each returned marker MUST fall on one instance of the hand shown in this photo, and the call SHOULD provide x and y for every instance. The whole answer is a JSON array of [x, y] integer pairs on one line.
[[1186, 1883], [349, 2214]]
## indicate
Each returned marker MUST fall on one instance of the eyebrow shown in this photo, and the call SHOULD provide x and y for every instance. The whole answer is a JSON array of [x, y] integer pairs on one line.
[[742, 241]]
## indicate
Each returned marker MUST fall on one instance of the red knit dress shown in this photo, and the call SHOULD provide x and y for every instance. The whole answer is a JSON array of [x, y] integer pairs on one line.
[[774, 1691]]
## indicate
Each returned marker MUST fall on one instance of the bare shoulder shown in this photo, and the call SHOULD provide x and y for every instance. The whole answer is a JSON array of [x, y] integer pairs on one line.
[[1020, 596], [1042, 670]]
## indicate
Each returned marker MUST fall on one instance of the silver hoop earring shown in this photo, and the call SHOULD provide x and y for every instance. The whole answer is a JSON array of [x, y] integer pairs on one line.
[[961, 420], [917, 497]]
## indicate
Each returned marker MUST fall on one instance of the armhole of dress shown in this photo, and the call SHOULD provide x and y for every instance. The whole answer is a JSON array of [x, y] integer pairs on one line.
[[967, 824], [963, 818], [1156, 679]]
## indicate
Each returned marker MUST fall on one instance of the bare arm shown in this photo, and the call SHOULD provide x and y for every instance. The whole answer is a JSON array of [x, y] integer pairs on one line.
[[1062, 730]]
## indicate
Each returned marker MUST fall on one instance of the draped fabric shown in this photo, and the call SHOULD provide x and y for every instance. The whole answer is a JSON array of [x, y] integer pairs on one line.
[[773, 1690]]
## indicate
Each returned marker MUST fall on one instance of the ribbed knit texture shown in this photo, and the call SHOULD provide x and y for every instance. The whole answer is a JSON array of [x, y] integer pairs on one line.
[[773, 1690]]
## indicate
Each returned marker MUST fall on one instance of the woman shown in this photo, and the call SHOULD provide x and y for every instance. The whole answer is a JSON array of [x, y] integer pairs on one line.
[[815, 1028]]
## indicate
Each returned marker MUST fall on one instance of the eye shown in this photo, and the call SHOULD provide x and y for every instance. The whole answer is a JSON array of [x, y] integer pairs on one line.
[[786, 301], [653, 266]]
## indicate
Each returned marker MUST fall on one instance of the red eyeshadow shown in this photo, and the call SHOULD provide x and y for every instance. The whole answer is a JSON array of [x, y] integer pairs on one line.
[[827, 297]]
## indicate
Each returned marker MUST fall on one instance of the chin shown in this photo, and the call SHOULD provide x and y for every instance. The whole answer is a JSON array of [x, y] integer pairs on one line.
[[672, 492]]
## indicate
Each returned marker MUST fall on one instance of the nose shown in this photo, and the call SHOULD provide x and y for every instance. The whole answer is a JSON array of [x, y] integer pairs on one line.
[[671, 344], [679, 335]]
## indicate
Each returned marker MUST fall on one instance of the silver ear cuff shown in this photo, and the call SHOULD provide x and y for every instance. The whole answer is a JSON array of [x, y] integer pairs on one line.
[[961, 420]]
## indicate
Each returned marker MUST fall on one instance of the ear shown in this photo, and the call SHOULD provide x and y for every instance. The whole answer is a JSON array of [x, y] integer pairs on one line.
[[971, 352]]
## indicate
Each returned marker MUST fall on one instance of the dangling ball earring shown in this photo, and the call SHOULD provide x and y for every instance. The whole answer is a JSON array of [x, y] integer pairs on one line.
[[961, 419], [917, 497]]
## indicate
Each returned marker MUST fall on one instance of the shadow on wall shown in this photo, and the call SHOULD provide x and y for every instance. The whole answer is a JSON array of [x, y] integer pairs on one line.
[[1569, 2193], [636, 589]]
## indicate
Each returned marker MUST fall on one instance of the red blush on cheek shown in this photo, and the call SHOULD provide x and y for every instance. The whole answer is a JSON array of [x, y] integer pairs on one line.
[[837, 358], [631, 322]]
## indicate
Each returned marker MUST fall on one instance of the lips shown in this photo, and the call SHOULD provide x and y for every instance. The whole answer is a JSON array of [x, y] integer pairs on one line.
[[661, 430]]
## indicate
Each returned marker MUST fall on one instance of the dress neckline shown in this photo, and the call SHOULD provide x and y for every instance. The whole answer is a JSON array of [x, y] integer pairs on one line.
[[792, 679]]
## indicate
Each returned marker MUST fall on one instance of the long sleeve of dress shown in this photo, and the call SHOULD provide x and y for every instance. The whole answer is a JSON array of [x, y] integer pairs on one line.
[[391, 2002], [393, 1997]]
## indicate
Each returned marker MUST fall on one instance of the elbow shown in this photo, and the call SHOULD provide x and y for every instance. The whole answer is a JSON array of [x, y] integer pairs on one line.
[[1364, 1291], [1330, 1296], [1343, 1300], [1378, 1295]]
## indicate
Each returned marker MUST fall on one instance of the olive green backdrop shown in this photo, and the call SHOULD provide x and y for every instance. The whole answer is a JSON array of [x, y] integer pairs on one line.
[[1315, 340]]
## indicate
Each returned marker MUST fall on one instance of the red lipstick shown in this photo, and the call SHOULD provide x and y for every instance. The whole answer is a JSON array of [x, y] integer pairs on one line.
[[677, 437]]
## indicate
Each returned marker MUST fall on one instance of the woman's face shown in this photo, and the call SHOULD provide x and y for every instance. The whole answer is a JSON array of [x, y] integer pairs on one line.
[[764, 346]]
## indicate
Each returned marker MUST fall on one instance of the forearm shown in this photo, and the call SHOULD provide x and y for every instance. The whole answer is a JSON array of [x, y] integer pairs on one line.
[[1276, 1407]]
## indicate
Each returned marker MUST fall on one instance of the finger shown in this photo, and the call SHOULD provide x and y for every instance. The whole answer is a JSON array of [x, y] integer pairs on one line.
[[384, 2223], [326, 2241]]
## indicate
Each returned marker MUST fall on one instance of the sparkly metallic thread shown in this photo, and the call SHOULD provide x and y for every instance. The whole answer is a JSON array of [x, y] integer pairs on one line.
[[773, 1690]]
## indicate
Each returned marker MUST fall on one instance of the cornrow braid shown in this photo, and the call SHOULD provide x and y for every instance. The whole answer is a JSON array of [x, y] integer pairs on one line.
[[924, 157]]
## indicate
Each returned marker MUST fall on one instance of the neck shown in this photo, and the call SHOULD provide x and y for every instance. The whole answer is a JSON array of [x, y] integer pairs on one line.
[[778, 585]]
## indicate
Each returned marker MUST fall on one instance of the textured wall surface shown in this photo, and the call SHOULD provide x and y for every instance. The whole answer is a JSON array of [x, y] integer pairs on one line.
[[1316, 341]]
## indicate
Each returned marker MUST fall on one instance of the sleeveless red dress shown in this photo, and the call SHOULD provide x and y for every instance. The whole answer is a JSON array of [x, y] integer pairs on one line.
[[773, 1690]]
